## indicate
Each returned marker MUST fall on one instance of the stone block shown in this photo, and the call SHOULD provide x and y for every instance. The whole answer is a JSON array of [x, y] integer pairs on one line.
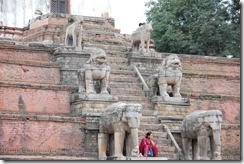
[[98, 97], [90, 108], [167, 109], [171, 100], [147, 158]]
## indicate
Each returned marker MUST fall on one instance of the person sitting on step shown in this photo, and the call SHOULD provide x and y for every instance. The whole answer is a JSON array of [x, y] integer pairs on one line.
[[148, 147]]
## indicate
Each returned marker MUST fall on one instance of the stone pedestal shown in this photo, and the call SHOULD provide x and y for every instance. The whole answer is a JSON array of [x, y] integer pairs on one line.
[[171, 112], [92, 104], [167, 109], [145, 54], [171, 100], [148, 158], [174, 106], [97, 97], [70, 63]]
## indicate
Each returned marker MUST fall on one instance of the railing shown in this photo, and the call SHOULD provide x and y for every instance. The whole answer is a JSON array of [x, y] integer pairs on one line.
[[174, 142], [145, 87]]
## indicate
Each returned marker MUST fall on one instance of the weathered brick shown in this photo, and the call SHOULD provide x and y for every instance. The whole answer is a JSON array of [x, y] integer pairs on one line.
[[24, 99], [41, 138], [32, 72]]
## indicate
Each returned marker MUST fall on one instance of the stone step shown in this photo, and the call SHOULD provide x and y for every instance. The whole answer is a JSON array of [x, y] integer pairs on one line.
[[99, 21], [123, 75], [123, 72], [126, 91], [132, 86], [110, 47], [150, 119], [149, 112], [120, 67], [148, 158], [118, 53], [124, 79], [131, 98], [117, 59], [93, 34], [95, 27], [169, 156], [37, 72], [43, 157], [156, 134], [105, 40], [151, 127], [164, 141]]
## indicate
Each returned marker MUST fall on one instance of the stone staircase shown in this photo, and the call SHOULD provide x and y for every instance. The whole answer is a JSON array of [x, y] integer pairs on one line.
[[39, 81], [125, 84]]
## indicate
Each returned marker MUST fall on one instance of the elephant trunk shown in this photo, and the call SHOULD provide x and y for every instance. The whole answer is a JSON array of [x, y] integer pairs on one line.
[[134, 134], [216, 145]]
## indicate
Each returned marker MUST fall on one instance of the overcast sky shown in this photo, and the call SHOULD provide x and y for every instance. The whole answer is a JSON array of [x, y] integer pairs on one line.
[[127, 13]]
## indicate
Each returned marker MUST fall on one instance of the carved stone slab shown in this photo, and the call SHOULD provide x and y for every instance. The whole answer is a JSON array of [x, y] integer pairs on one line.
[[100, 97]]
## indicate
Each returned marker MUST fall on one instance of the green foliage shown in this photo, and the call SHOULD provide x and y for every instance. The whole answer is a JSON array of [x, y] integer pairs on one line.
[[199, 27]]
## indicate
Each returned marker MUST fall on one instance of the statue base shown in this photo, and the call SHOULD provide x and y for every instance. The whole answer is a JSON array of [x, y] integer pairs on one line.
[[173, 106], [91, 104], [145, 54], [170, 100], [97, 97], [148, 158]]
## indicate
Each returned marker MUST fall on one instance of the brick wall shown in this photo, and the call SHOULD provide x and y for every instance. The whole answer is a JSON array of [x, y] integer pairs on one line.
[[41, 135], [31, 72], [34, 99], [11, 51]]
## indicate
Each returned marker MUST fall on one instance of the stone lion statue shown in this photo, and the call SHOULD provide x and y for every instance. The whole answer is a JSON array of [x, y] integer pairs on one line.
[[93, 78], [73, 35], [140, 36], [170, 74]]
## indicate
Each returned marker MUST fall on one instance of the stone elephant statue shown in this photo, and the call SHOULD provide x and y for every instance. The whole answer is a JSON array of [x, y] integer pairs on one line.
[[198, 130], [118, 126]]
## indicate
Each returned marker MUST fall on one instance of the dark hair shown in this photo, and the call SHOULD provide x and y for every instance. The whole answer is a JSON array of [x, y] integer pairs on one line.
[[148, 134], [140, 24]]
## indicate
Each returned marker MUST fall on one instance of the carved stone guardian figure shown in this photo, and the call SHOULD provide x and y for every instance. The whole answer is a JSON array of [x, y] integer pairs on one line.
[[118, 125], [199, 127], [94, 76], [73, 35], [169, 75], [140, 36]]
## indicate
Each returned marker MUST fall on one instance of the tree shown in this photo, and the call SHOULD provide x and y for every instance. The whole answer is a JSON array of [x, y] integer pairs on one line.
[[200, 27]]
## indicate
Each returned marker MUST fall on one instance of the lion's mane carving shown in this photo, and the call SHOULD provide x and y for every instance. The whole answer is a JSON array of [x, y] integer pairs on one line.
[[140, 36], [95, 73], [170, 74]]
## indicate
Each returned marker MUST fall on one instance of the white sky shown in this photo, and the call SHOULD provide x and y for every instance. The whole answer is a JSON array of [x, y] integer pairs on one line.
[[127, 13]]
